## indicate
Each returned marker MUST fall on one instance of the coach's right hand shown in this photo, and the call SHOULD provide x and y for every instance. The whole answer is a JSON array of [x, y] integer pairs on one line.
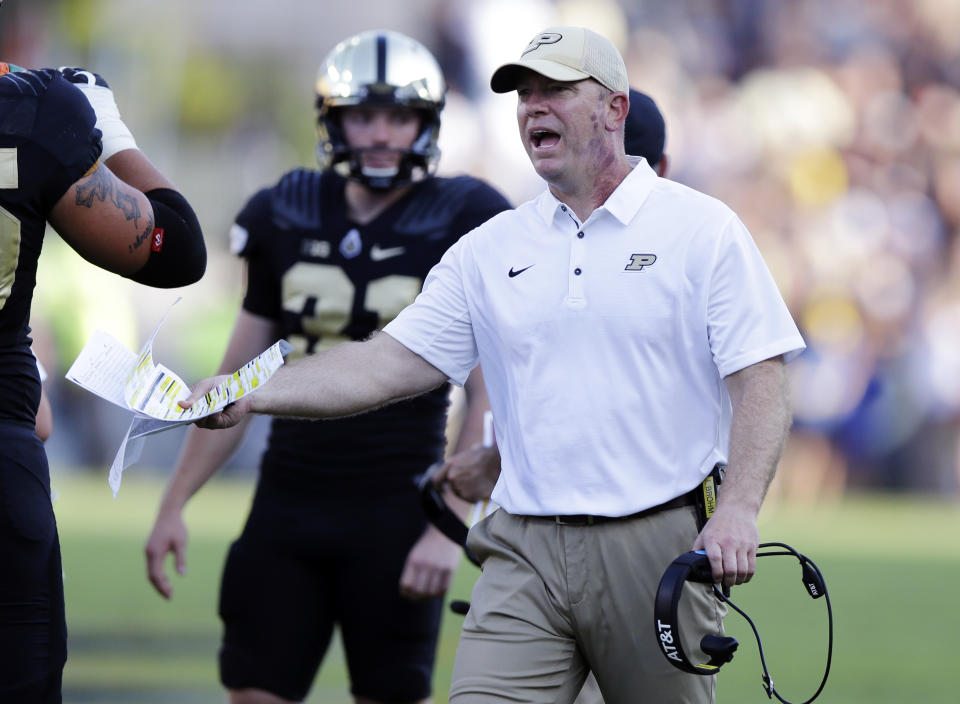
[[169, 535], [228, 417]]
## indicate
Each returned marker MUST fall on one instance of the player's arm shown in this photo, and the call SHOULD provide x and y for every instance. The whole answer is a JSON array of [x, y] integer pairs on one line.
[[345, 380], [152, 238], [759, 427], [124, 215], [43, 426], [203, 453], [106, 221]]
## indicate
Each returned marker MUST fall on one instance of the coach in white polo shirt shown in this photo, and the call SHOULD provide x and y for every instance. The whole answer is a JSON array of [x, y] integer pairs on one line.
[[631, 338]]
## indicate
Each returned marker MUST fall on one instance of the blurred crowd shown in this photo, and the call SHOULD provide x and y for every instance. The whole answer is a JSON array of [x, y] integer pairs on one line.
[[831, 126], [833, 129]]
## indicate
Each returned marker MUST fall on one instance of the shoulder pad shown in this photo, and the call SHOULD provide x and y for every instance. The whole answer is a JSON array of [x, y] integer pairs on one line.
[[20, 93], [436, 204], [45, 108], [29, 83], [296, 199]]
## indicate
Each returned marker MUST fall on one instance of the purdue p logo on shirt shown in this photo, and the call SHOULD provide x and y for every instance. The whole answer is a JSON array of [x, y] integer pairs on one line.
[[638, 261]]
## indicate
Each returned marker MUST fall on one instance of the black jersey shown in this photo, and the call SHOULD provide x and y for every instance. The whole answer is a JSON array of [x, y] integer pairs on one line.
[[326, 279], [47, 142]]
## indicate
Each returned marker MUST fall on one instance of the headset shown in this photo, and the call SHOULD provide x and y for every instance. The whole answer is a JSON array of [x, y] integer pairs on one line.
[[695, 567]]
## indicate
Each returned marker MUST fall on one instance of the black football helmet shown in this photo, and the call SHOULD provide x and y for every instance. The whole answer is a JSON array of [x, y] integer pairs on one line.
[[379, 67]]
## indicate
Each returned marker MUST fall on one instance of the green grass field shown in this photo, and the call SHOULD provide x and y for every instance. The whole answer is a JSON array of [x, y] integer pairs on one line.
[[892, 567]]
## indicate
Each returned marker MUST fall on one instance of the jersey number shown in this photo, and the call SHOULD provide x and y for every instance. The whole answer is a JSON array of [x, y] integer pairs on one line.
[[323, 297], [9, 253], [9, 226]]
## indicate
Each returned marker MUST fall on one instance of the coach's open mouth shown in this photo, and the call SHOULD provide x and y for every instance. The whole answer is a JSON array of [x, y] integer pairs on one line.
[[544, 139]]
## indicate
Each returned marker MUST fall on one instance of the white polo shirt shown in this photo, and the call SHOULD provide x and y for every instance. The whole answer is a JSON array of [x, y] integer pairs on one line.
[[604, 344]]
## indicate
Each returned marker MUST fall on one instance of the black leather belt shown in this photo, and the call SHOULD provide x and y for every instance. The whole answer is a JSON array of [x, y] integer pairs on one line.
[[583, 519]]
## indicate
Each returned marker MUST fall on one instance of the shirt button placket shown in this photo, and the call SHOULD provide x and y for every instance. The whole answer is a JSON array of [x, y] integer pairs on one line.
[[577, 254]]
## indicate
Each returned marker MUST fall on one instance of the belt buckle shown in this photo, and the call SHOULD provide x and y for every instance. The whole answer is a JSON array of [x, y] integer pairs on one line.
[[575, 520]]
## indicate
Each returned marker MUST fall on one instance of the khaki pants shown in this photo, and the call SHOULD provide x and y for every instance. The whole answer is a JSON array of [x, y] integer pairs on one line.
[[590, 693], [554, 601]]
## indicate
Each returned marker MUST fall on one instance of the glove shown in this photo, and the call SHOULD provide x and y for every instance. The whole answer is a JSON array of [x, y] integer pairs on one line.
[[116, 136]]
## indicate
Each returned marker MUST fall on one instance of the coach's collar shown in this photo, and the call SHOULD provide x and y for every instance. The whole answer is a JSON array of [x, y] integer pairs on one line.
[[622, 204], [632, 192]]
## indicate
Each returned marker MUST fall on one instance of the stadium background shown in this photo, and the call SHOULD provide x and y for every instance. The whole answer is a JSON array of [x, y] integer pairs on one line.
[[831, 126]]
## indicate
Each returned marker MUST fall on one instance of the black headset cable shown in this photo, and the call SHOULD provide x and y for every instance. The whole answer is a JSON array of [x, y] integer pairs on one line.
[[814, 583]]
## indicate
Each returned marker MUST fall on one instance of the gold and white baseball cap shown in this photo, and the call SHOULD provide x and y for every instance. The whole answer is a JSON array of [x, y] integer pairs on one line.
[[566, 54]]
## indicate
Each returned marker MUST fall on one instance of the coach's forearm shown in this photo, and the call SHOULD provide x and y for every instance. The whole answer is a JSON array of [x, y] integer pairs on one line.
[[350, 378], [761, 423]]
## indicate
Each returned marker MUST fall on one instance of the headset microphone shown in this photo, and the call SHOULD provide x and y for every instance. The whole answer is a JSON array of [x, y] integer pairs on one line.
[[695, 567]]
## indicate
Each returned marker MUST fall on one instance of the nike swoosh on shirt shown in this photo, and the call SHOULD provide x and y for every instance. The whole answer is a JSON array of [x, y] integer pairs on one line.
[[513, 273], [377, 254]]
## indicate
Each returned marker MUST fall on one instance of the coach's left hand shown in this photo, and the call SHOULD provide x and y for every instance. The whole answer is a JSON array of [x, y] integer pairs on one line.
[[730, 540]]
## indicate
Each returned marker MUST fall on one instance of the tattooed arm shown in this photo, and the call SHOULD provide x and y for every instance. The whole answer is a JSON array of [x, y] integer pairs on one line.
[[107, 221], [134, 168]]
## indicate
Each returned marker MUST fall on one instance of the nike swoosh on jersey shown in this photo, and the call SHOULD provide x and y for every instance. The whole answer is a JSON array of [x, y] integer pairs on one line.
[[378, 254], [513, 273]]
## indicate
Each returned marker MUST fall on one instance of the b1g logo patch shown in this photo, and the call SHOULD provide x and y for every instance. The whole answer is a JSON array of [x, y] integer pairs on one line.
[[638, 261], [540, 40], [156, 239]]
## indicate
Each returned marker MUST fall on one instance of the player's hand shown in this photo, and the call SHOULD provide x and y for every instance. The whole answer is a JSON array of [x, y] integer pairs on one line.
[[82, 77], [169, 535], [116, 136], [730, 538], [471, 474], [228, 417], [430, 565], [96, 89]]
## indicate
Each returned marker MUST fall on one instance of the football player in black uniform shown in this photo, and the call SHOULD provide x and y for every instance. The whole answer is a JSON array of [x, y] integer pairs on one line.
[[336, 534], [65, 158]]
